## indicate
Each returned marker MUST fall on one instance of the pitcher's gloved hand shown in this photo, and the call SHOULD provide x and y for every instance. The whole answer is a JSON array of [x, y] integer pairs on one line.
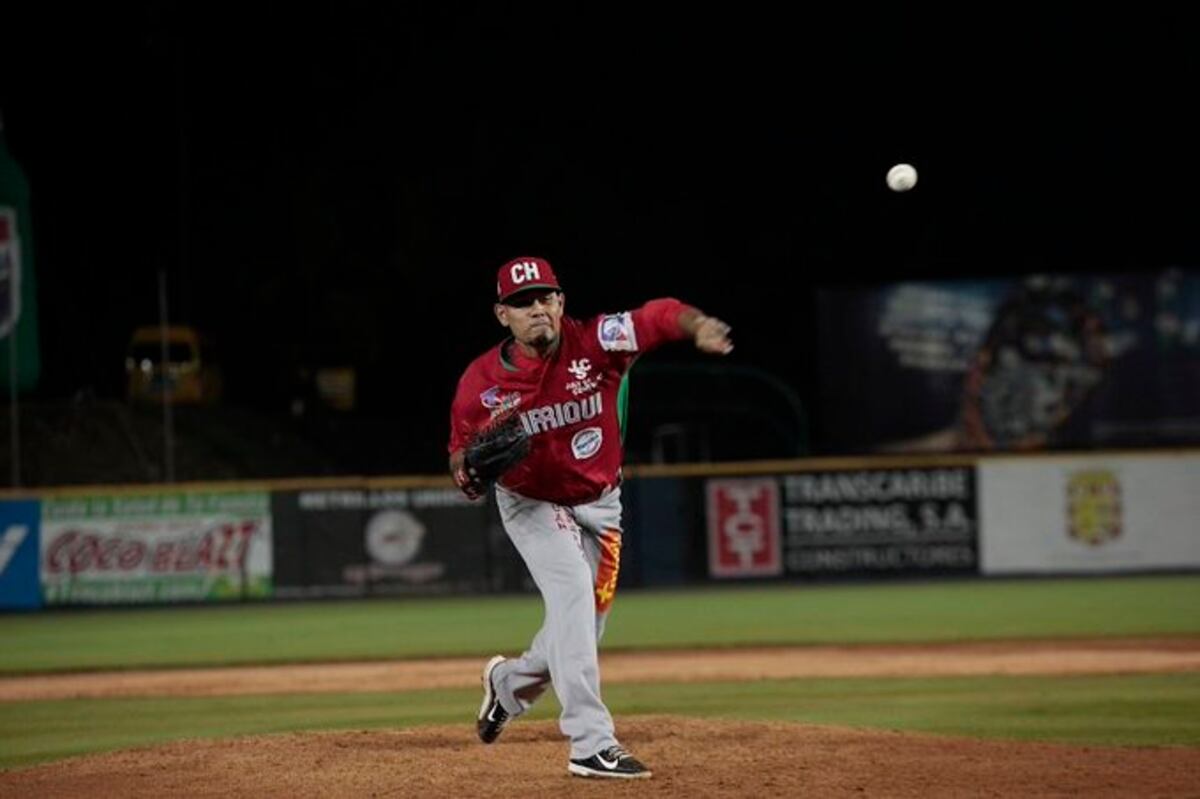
[[491, 452]]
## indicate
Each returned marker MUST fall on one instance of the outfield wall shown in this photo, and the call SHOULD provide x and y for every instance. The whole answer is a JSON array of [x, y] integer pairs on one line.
[[814, 519]]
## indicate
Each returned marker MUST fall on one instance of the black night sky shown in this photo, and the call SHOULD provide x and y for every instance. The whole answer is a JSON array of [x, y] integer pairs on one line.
[[339, 185]]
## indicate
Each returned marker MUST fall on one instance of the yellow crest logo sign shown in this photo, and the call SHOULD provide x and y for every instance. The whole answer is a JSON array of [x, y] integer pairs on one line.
[[1094, 506]]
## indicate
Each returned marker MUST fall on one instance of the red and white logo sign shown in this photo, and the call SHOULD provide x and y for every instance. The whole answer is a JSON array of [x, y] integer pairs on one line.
[[744, 538]]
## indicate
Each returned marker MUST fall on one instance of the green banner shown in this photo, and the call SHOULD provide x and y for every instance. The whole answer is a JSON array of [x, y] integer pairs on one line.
[[146, 547], [155, 505], [16, 269]]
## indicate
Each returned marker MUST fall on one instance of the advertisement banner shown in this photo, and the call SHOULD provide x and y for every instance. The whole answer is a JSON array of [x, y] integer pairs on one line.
[[156, 548], [854, 521], [1021, 364], [353, 542], [1090, 514], [10, 271], [913, 520], [19, 530]]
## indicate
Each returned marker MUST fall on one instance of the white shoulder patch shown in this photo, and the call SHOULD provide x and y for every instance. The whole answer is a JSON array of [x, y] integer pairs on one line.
[[616, 333]]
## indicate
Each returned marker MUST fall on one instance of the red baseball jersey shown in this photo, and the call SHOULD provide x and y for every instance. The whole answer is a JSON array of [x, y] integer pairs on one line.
[[568, 401]]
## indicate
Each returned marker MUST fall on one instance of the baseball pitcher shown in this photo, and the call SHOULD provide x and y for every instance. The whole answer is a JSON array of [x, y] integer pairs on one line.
[[541, 415]]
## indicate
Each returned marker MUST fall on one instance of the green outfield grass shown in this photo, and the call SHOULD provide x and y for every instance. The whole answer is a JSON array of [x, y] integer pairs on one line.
[[381, 629], [1122, 710], [1110, 710]]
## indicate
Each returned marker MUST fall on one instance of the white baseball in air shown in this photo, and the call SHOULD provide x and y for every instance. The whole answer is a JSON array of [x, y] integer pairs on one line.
[[902, 177]]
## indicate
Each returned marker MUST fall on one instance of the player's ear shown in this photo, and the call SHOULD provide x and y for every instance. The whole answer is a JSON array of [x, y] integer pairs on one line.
[[501, 314]]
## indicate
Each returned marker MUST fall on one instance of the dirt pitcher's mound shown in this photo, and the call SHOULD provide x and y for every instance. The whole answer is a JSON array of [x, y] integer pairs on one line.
[[690, 758]]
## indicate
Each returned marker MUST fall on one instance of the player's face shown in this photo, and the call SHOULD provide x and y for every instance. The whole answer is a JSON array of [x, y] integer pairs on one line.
[[534, 317]]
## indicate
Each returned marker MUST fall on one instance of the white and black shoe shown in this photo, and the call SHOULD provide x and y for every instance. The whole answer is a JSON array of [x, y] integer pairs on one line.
[[492, 715], [611, 762]]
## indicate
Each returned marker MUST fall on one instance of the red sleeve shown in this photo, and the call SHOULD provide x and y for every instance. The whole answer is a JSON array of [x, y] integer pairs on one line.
[[463, 412], [657, 322], [624, 336]]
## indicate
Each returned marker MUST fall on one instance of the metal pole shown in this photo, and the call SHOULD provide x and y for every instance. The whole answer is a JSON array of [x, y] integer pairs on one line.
[[182, 277], [168, 417], [15, 418]]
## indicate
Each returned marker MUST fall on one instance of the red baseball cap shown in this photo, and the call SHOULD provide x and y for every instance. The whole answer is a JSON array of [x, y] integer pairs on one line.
[[522, 274]]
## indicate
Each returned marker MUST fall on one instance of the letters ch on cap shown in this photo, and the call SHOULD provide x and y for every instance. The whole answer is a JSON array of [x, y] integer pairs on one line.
[[524, 270]]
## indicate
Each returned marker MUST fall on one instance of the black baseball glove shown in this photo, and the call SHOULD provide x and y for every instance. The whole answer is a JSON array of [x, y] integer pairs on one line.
[[492, 451]]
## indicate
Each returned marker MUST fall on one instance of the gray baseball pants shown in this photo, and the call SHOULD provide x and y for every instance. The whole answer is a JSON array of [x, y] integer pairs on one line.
[[573, 554]]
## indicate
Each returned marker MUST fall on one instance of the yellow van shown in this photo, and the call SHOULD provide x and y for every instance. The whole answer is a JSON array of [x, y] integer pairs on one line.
[[190, 376]]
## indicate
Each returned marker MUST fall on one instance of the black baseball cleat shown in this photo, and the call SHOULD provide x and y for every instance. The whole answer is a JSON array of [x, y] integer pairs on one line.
[[611, 762], [492, 715]]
